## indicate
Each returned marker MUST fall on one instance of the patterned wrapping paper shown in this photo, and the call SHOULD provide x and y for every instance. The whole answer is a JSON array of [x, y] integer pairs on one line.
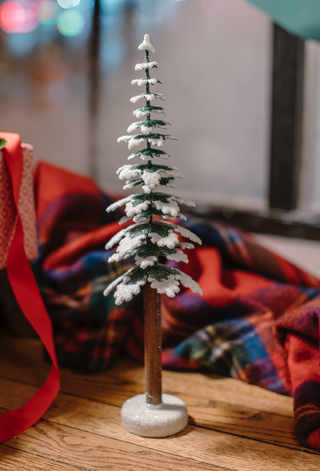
[[18, 247], [8, 213]]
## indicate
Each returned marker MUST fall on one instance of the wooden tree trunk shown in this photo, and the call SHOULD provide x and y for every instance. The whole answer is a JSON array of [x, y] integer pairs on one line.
[[152, 344]]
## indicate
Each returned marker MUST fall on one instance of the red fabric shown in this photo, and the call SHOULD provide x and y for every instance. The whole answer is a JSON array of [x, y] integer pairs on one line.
[[257, 321], [28, 296], [71, 251], [50, 185]]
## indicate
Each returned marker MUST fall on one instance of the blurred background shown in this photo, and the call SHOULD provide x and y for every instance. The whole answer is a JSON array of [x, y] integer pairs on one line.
[[215, 63]]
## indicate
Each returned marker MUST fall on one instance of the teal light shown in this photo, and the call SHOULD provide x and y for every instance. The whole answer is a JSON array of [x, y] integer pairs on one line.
[[70, 23]]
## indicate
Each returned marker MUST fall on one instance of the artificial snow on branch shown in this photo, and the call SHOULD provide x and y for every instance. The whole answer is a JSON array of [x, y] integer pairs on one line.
[[146, 44], [144, 80], [147, 96], [148, 126], [144, 111], [150, 175], [146, 65]]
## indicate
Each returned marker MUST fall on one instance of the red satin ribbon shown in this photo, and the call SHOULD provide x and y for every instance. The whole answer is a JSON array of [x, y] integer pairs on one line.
[[28, 296]]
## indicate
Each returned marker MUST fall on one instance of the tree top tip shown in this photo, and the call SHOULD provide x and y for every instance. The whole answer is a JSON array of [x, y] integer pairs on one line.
[[146, 44]]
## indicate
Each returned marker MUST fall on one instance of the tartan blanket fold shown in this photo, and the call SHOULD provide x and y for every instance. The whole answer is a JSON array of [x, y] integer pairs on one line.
[[258, 319]]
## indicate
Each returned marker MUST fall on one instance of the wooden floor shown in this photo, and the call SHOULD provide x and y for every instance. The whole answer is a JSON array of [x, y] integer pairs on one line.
[[232, 425]]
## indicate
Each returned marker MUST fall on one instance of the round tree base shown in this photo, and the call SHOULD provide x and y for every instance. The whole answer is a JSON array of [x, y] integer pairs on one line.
[[148, 420]]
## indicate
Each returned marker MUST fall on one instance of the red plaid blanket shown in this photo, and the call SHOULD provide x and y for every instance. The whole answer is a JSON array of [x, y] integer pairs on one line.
[[257, 321]]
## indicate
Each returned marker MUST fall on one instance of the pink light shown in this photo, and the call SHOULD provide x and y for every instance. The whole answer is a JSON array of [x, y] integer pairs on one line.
[[12, 16], [18, 17]]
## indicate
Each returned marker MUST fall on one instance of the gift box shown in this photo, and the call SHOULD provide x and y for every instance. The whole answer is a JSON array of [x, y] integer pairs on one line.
[[18, 245], [10, 313]]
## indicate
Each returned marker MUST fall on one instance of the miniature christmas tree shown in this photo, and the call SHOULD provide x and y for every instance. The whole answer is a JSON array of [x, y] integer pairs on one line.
[[150, 239]]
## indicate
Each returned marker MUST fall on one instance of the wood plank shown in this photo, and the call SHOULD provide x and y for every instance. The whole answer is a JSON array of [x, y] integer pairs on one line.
[[199, 444], [22, 359], [104, 420], [235, 420], [77, 447], [15, 460], [91, 451]]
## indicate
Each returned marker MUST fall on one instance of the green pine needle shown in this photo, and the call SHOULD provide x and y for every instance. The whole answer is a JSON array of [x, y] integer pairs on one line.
[[151, 153], [150, 108], [154, 135]]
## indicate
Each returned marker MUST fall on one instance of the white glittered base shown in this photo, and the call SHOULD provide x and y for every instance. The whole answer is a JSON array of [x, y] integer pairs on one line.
[[147, 420]]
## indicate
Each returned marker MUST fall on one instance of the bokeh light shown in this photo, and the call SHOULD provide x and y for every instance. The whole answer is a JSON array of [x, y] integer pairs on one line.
[[18, 16], [47, 12], [45, 20], [86, 4], [71, 23], [21, 44], [12, 16], [68, 3]]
